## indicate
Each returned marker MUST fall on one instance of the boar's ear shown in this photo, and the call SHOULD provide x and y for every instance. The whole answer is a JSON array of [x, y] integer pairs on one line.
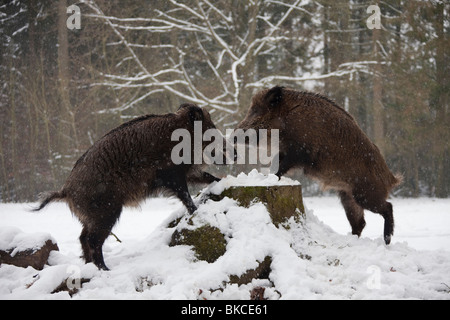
[[195, 114], [274, 96]]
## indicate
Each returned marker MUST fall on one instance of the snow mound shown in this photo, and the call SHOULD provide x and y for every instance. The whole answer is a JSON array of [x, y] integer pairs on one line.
[[14, 238], [308, 260], [253, 178]]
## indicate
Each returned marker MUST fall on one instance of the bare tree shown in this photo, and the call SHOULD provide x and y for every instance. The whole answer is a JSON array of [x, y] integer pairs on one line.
[[215, 53]]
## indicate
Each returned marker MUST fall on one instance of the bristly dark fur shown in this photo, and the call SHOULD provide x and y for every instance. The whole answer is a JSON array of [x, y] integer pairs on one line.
[[318, 135], [125, 166]]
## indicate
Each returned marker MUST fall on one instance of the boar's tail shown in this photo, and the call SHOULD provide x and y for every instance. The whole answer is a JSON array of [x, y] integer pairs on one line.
[[49, 197], [396, 180], [399, 179]]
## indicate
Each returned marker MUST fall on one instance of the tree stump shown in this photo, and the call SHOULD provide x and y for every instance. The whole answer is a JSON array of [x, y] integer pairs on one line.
[[208, 242], [282, 202]]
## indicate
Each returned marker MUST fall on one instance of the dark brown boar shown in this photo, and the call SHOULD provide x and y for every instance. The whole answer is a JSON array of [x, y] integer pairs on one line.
[[323, 139], [123, 168]]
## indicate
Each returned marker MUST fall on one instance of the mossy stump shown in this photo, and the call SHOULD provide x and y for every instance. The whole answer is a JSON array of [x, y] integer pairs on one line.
[[209, 244], [282, 202]]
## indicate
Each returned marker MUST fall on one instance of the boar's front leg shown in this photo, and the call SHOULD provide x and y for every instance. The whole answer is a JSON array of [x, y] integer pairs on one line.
[[175, 181], [286, 162], [209, 178], [296, 156], [197, 176]]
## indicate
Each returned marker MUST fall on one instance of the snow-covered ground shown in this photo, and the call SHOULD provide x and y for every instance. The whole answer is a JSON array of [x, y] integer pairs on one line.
[[317, 260]]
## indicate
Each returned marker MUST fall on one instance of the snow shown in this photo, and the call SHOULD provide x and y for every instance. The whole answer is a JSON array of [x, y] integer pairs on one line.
[[316, 259], [14, 238], [253, 178]]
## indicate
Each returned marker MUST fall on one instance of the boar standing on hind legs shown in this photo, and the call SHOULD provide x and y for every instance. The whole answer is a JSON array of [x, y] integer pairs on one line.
[[323, 139], [123, 168]]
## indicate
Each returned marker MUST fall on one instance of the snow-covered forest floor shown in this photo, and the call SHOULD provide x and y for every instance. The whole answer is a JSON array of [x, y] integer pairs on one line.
[[317, 260]]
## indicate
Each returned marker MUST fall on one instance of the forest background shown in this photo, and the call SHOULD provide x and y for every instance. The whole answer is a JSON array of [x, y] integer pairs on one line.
[[67, 77]]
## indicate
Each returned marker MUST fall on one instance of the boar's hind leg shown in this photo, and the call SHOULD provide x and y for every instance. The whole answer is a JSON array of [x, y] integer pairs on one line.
[[92, 243], [386, 212], [95, 232], [355, 213], [376, 203]]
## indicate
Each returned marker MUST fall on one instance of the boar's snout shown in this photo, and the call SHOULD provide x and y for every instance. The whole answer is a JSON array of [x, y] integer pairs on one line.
[[264, 112], [220, 151], [231, 155], [249, 122]]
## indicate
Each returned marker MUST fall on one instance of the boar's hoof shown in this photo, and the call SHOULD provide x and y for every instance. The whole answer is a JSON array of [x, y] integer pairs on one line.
[[387, 239]]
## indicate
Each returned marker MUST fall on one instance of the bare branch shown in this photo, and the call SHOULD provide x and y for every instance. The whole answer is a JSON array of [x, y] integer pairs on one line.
[[220, 13], [187, 9], [153, 81], [272, 30], [344, 69], [216, 36], [209, 36]]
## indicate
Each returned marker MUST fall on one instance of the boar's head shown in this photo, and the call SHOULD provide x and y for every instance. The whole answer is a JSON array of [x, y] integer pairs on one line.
[[194, 114], [265, 111]]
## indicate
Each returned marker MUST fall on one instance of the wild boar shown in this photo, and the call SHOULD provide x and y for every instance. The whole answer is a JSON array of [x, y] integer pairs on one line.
[[127, 165], [322, 138]]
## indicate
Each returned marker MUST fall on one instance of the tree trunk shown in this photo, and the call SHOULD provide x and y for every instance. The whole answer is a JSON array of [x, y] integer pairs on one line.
[[248, 70], [4, 182], [67, 124], [13, 135], [441, 101], [377, 104]]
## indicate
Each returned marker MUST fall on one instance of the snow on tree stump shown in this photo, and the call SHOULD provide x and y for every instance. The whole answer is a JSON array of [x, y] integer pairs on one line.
[[25, 250], [282, 202]]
